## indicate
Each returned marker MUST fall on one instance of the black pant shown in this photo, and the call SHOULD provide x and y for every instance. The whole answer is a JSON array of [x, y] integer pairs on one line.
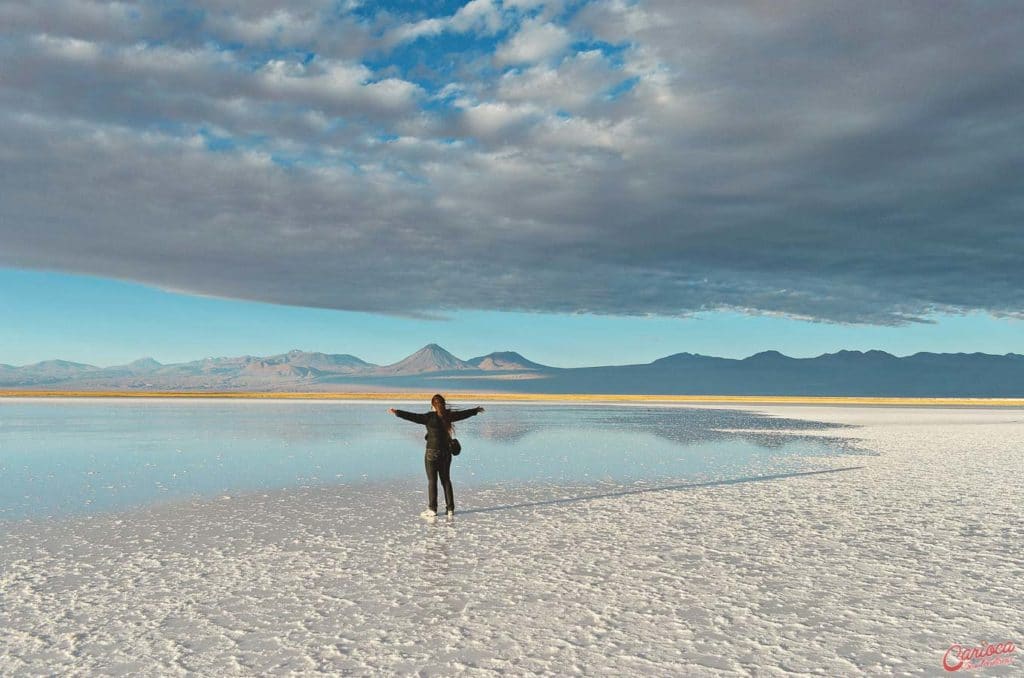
[[439, 464]]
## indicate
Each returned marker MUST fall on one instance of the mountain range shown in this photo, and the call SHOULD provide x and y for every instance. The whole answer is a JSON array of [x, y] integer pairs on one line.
[[845, 373]]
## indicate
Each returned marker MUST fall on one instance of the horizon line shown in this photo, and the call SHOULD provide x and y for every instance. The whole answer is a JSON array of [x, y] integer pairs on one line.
[[434, 344], [491, 396]]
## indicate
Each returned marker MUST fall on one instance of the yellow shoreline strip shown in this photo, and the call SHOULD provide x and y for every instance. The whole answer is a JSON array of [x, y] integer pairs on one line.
[[524, 397]]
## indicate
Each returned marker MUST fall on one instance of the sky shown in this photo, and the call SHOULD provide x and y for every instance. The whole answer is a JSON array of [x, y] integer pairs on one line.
[[585, 182], [106, 322]]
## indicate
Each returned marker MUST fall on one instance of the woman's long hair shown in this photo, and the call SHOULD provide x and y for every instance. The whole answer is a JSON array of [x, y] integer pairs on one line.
[[439, 405]]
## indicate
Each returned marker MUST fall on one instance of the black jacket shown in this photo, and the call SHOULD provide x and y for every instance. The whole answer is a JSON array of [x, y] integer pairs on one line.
[[437, 435]]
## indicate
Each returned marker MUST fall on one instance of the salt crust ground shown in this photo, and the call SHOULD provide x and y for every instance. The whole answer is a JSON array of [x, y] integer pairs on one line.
[[872, 571]]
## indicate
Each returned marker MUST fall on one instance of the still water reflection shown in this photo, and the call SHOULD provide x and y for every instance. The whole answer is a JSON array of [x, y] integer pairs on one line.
[[74, 456]]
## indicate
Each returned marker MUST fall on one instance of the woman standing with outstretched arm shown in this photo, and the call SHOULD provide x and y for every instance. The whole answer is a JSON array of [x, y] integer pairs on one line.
[[438, 457]]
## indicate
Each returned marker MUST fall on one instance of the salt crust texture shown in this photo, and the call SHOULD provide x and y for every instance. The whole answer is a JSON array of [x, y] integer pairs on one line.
[[869, 571]]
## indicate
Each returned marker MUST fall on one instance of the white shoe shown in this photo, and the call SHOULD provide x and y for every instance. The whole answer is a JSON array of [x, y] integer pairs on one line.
[[428, 514], [450, 515]]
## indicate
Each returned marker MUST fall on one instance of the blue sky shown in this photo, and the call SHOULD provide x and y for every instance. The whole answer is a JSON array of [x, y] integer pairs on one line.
[[585, 181], [107, 322]]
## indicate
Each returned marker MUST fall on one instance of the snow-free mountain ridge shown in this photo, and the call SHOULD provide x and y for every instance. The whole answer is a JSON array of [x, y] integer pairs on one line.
[[850, 373]]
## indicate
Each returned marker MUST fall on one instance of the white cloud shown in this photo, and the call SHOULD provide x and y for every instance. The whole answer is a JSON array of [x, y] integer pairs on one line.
[[576, 133], [337, 87], [489, 120], [481, 16], [617, 21], [476, 16], [279, 24], [67, 48], [572, 85], [416, 30], [328, 79], [522, 5], [535, 41], [146, 60]]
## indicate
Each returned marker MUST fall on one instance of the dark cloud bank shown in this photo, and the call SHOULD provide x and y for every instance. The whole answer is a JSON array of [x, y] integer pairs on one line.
[[850, 162]]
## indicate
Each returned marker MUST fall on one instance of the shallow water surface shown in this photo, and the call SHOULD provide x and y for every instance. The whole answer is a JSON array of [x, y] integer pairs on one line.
[[63, 457]]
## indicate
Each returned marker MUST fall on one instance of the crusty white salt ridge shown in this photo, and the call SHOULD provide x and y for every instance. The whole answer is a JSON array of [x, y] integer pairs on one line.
[[875, 570]]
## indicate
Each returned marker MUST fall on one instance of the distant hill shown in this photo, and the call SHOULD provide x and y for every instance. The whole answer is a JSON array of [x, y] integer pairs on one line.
[[143, 365], [430, 358], [46, 372], [323, 362], [504, 360], [844, 373]]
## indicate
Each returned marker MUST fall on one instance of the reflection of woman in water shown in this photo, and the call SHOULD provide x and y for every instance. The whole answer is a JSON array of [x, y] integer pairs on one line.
[[438, 458]]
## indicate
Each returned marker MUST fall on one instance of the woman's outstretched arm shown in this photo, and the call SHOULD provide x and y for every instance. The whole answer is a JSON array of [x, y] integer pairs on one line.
[[465, 414], [409, 416]]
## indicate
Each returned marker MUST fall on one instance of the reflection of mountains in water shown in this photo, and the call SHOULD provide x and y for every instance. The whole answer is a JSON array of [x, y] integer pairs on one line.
[[682, 426], [345, 424], [721, 424]]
